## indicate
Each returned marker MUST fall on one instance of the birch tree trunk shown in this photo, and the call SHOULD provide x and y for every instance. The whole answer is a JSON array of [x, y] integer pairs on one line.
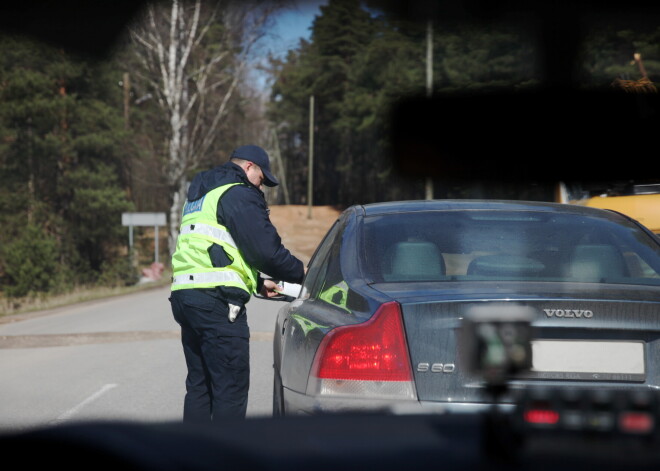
[[193, 57]]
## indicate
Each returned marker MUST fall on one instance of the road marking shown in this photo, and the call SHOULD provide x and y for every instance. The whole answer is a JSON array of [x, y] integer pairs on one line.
[[66, 340], [261, 336], [69, 340], [71, 412]]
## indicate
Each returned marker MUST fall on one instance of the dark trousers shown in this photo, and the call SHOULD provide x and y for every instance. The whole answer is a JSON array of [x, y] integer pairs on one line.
[[217, 356]]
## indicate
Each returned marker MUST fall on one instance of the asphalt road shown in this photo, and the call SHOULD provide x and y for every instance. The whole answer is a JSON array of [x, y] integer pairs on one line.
[[113, 359]]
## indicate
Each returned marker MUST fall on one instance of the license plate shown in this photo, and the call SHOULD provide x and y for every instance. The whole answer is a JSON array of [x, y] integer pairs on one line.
[[585, 360]]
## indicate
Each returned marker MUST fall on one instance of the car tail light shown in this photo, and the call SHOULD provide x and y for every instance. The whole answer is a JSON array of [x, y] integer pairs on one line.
[[636, 422], [369, 359], [541, 417]]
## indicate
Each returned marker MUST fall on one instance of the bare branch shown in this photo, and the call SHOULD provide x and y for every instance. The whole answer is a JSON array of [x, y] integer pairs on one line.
[[193, 57]]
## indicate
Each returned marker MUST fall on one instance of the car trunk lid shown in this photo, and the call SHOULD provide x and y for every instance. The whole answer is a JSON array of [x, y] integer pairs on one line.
[[582, 336]]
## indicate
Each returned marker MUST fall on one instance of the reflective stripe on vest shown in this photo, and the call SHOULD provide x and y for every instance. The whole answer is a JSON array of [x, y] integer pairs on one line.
[[208, 277], [205, 229]]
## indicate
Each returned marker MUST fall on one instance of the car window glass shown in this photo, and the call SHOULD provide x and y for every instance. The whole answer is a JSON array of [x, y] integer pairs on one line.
[[497, 245], [330, 285], [316, 264]]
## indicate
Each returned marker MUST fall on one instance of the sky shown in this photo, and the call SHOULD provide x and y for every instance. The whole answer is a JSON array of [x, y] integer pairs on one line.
[[289, 26], [293, 24]]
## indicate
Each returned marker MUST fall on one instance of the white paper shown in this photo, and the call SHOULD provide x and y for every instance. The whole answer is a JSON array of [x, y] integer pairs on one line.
[[288, 289]]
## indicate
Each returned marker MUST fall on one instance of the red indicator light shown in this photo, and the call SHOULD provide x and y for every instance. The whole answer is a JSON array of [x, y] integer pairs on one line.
[[541, 417], [373, 351], [636, 422]]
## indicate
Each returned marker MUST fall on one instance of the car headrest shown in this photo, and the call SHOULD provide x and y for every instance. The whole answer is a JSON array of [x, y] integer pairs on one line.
[[416, 261], [596, 262]]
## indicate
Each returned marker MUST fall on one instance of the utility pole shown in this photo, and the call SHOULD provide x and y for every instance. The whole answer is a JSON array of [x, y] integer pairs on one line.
[[127, 97], [310, 165], [642, 69], [429, 89]]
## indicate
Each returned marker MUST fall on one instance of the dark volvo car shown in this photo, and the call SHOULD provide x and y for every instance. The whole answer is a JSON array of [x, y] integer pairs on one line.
[[378, 321]]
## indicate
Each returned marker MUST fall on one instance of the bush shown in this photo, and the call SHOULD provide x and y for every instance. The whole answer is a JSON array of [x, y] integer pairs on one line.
[[30, 263], [120, 272]]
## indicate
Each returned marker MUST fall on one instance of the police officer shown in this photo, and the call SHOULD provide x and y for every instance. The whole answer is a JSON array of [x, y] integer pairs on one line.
[[226, 239]]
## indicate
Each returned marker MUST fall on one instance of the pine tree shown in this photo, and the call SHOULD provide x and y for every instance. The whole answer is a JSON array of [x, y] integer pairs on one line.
[[60, 165]]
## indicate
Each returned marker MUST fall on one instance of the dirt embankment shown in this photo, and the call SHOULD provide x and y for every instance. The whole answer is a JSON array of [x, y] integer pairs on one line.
[[300, 233]]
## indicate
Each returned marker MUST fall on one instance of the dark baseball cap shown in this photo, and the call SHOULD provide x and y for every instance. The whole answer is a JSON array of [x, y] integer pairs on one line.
[[257, 155]]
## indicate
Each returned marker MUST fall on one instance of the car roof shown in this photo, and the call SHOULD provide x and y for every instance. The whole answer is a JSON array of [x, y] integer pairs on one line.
[[379, 209]]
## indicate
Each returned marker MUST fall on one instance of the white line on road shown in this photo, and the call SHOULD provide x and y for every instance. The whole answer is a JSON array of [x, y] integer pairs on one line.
[[73, 411]]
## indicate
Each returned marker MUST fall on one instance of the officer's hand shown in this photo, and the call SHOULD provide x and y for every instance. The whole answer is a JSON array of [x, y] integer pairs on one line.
[[268, 290]]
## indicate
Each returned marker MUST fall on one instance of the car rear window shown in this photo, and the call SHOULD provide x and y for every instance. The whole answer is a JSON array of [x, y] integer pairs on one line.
[[500, 245]]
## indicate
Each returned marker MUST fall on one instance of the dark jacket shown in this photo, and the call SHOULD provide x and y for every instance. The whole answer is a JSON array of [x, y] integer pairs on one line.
[[243, 211]]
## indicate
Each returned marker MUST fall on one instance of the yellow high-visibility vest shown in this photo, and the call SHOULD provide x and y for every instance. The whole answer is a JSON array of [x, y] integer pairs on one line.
[[191, 262]]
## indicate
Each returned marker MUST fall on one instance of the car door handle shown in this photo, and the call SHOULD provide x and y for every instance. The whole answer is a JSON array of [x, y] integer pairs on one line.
[[284, 322]]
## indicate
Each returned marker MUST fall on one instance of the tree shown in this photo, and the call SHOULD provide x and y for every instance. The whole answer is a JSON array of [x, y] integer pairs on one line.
[[193, 57], [358, 64], [320, 68], [609, 55], [61, 159]]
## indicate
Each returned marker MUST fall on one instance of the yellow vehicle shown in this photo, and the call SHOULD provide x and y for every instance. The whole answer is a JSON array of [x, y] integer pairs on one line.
[[638, 201]]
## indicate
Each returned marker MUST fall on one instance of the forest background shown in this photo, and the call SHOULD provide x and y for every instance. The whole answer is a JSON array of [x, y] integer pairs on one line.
[[83, 140]]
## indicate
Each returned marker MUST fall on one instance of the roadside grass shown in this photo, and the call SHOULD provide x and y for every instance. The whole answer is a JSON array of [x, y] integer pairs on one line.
[[12, 306]]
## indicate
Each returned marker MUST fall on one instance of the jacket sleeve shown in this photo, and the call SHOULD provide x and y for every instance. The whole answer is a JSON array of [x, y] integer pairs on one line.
[[243, 211]]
